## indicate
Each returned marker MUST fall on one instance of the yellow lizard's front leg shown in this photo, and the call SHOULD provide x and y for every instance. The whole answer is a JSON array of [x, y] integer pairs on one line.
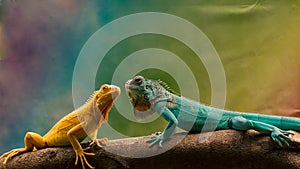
[[31, 141], [79, 151]]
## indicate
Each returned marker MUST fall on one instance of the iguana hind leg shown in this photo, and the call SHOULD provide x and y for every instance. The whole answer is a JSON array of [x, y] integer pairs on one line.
[[278, 135], [31, 141]]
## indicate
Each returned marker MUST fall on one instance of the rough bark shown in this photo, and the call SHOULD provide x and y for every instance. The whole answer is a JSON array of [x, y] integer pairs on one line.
[[223, 149]]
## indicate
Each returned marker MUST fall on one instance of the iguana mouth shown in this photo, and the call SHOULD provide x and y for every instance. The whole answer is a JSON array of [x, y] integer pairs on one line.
[[115, 92], [130, 86], [127, 86]]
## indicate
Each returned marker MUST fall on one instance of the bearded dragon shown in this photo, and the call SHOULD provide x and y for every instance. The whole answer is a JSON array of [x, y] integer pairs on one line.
[[149, 96], [74, 127]]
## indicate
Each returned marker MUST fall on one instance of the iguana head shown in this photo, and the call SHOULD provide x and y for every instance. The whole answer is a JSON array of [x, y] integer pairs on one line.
[[141, 91], [105, 97]]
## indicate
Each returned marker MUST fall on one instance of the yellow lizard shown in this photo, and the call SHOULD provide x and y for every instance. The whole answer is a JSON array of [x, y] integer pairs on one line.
[[74, 127]]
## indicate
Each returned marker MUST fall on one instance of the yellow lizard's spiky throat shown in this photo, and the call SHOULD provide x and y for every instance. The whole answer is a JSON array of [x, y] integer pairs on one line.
[[106, 110]]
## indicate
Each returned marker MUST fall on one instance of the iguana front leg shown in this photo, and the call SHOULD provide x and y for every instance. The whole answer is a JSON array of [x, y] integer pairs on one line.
[[79, 151], [31, 140], [168, 131]]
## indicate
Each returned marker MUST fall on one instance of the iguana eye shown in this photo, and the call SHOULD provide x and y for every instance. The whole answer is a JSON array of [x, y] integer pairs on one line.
[[147, 87], [104, 88], [146, 96]]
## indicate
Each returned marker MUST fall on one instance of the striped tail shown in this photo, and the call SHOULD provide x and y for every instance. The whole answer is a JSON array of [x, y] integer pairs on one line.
[[282, 122]]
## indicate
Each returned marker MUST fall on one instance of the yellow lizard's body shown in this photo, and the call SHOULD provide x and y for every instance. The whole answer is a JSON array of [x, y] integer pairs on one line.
[[74, 127]]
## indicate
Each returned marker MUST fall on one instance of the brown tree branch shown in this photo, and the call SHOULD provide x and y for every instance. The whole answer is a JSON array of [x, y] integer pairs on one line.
[[223, 149]]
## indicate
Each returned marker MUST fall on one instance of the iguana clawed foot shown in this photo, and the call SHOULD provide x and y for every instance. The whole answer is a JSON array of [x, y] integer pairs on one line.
[[80, 154], [157, 139], [12, 154], [99, 142], [281, 137]]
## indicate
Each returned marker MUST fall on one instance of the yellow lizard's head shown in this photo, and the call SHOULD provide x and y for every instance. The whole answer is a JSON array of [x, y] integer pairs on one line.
[[105, 97]]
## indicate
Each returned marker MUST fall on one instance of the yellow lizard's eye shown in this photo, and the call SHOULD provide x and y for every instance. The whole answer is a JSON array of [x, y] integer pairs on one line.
[[104, 88]]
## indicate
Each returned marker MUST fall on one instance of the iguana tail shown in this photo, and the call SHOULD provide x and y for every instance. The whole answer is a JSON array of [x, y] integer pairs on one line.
[[282, 122]]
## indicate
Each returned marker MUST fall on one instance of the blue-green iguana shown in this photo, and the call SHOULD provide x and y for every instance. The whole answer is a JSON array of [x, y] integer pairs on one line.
[[150, 96]]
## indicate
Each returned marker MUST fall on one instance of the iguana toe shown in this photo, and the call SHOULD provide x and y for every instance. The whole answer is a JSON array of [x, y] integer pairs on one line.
[[102, 141], [9, 155], [99, 143], [281, 137], [158, 139], [81, 155]]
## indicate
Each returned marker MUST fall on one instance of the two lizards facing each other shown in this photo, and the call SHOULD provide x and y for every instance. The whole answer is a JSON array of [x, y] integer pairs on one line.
[[147, 97]]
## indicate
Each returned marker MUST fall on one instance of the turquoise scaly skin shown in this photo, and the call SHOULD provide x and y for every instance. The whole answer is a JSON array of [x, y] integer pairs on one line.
[[149, 96]]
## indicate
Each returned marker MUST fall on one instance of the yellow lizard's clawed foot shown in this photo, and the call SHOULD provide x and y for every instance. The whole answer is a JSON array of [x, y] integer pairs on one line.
[[91, 142], [9, 155], [81, 154], [99, 142], [102, 141]]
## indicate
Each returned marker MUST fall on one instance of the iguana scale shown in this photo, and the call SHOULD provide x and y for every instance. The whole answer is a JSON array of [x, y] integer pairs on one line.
[[74, 127], [149, 96]]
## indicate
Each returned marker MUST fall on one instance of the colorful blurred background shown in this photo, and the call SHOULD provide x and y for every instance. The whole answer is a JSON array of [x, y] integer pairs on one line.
[[257, 41]]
